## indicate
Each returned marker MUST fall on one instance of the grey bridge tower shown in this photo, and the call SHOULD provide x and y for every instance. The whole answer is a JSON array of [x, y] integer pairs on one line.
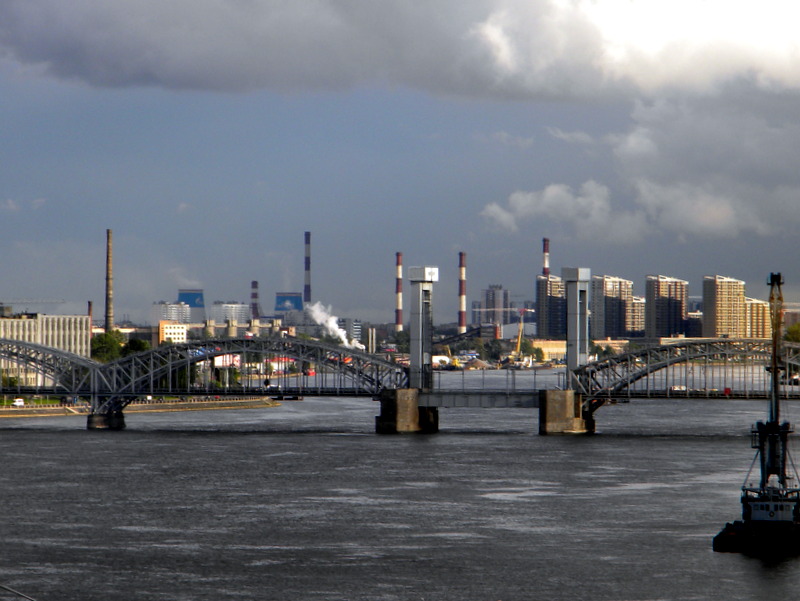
[[400, 410]]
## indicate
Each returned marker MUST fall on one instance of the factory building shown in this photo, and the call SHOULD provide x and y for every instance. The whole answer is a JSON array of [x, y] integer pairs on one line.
[[197, 306], [63, 332]]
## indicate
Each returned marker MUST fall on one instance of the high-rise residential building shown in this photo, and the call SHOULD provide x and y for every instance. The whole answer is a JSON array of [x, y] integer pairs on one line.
[[495, 306], [759, 324], [611, 299], [694, 324], [222, 312], [665, 311], [634, 322], [477, 312], [174, 312], [551, 307], [723, 307]]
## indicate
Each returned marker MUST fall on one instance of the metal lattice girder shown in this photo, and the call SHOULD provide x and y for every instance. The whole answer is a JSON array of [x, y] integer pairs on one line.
[[156, 371], [61, 371], [615, 374]]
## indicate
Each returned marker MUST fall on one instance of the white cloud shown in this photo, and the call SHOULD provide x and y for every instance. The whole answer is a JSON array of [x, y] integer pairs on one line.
[[571, 137], [469, 47], [178, 275], [10, 205], [588, 210], [697, 209], [510, 140]]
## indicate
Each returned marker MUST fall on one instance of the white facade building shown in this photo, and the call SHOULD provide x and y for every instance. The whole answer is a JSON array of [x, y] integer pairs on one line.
[[177, 312], [63, 332], [222, 312]]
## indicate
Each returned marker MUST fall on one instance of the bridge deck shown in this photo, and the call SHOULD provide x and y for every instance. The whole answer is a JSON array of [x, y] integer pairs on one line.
[[479, 399]]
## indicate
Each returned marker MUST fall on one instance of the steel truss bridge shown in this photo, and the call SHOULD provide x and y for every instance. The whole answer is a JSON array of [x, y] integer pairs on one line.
[[187, 370], [700, 368]]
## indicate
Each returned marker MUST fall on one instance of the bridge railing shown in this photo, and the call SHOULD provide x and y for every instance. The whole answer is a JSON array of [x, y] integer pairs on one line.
[[498, 380]]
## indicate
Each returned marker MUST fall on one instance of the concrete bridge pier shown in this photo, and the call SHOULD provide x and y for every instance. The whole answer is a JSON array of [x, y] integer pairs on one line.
[[560, 412], [401, 413], [112, 420]]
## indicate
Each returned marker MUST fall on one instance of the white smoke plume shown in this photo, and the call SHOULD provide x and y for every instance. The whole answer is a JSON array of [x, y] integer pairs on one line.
[[322, 316]]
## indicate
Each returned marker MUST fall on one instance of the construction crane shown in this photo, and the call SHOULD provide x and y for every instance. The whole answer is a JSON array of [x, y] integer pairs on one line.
[[514, 359], [454, 362], [498, 325]]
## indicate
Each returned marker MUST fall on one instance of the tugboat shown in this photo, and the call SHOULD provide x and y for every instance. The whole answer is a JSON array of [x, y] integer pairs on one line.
[[770, 524]]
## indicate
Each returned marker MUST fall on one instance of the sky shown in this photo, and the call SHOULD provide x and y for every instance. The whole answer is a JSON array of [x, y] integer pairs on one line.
[[640, 136]]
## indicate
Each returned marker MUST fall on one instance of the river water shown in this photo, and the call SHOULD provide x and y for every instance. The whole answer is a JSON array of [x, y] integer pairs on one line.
[[305, 502]]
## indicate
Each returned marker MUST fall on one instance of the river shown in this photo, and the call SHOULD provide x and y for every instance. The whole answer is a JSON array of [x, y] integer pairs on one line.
[[305, 502]]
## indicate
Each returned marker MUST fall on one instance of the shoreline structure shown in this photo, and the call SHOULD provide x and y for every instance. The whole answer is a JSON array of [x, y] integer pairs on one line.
[[199, 404]]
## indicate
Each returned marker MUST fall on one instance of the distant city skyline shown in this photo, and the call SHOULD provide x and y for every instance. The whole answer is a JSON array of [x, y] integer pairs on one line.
[[640, 138], [442, 290]]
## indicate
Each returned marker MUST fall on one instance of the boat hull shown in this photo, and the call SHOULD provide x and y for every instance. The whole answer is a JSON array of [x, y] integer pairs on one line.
[[759, 538]]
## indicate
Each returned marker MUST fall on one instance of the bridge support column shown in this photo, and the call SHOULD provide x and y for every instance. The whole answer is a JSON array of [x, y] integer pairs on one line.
[[560, 413], [114, 420], [401, 413]]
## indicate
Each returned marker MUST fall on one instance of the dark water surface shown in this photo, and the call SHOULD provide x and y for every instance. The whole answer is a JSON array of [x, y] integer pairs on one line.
[[305, 502]]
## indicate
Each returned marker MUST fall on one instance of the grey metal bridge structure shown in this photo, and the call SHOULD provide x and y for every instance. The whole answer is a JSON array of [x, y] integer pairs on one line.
[[700, 368], [184, 370]]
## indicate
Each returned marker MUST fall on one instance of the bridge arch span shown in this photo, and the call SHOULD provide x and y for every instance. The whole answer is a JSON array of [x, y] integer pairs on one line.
[[163, 370], [691, 366], [168, 369], [53, 369]]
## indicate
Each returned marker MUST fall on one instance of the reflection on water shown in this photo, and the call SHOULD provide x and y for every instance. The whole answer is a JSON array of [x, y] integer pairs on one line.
[[305, 502]]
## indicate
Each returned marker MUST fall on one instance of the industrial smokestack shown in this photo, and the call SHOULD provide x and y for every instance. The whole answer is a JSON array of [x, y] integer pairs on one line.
[[462, 292], [398, 291], [255, 306], [545, 257], [307, 287], [109, 284]]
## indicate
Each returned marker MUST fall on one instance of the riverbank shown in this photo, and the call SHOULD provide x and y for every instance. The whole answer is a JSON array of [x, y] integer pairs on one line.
[[143, 407]]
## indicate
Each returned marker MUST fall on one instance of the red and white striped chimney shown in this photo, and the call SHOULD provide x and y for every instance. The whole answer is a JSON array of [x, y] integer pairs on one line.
[[398, 291], [255, 306], [462, 292], [545, 256]]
